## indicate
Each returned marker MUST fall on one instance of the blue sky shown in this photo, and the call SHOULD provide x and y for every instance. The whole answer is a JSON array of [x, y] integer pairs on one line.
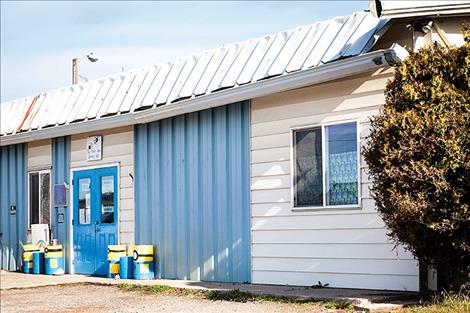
[[39, 39]]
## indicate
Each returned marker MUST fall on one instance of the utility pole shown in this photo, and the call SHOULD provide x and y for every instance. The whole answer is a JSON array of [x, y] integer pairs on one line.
[[75, 62]]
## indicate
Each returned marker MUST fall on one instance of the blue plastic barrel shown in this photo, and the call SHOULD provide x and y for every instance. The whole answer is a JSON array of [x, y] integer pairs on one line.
[[126, 264], [38, 263], [115, 252], [54, 260], [28, 251], [143, 262]]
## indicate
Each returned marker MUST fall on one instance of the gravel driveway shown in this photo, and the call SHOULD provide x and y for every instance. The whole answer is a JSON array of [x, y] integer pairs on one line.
[[94, 298]]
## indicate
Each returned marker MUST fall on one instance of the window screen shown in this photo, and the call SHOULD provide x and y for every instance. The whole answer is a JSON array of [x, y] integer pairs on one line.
[[341, 175], [308, 182], [45, 198], [34, 198]]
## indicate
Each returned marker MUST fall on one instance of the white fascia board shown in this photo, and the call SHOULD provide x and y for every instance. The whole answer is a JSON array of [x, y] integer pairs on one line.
[[457, 8], [68, 129], [326, 72]]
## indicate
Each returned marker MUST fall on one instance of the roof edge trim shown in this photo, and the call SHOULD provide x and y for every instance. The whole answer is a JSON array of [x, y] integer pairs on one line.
[[379, 8]]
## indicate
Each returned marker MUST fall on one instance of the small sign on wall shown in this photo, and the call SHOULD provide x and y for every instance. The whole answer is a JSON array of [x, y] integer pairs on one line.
[[60, 195], [94, 146]]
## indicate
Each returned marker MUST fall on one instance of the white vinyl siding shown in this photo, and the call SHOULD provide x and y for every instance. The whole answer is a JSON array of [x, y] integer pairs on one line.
[[118, 147], [346, 248], [39, 155]]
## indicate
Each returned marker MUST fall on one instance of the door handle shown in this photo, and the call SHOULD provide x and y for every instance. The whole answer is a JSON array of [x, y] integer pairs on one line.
[[97, 229]]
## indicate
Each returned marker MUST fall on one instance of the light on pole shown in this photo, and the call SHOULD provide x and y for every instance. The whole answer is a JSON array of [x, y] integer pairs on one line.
[[91, 57]]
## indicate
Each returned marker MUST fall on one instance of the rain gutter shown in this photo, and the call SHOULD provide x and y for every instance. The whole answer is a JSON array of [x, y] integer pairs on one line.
[[326, 72]]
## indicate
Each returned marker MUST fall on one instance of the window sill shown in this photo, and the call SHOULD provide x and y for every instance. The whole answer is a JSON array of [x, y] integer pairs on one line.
[[326, 208]]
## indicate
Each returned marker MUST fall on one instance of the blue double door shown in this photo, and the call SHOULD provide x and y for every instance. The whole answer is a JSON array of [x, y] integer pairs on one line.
[[95, 219]]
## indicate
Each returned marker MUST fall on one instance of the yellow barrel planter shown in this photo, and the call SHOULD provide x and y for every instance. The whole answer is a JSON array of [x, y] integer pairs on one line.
[[54, 260], [144, 262], [115, 252], [28, 251]]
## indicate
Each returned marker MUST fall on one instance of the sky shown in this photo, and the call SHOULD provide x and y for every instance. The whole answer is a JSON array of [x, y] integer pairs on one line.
[[39, 39]]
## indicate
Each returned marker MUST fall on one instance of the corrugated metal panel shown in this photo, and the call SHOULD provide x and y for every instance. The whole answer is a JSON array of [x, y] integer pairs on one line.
[[68, 106], [194, 77], [228, 66], [211, 69], [60, 175], [192, 193], [29, 109], [12, 192], [235, 71], [306, 47]]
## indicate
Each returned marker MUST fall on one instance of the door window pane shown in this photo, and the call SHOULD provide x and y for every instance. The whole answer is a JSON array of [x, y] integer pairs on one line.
[[308, 178], [34, 198], [341, 174], [45, 198], [107, 199], [84, 201]]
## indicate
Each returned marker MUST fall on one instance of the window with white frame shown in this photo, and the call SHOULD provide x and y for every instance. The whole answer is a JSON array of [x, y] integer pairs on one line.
[[326, 167], [39, 197]]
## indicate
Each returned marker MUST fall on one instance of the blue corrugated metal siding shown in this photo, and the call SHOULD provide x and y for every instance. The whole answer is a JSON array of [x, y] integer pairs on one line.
[[60, 174], [192, 193], [12, 192]]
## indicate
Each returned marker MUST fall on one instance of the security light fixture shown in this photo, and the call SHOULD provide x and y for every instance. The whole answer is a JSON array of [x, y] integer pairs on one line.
[[90, 56], [427, 28]]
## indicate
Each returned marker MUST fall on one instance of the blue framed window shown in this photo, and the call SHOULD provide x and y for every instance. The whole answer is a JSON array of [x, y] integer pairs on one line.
[[326, 166]]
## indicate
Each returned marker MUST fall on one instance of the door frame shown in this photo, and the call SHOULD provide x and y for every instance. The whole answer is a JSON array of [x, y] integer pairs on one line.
[[71, 210]]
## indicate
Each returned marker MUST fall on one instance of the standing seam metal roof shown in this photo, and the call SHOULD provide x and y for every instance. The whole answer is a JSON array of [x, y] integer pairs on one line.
[[228, 66]]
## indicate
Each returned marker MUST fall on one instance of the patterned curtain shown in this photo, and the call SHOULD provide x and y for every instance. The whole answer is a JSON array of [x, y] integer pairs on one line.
[[342, 178]]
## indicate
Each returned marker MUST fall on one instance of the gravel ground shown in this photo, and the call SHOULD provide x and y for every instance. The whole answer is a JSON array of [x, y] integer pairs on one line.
[[93, 298]]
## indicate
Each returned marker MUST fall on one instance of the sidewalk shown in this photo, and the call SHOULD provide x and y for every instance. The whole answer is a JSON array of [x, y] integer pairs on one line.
[[373, 300]]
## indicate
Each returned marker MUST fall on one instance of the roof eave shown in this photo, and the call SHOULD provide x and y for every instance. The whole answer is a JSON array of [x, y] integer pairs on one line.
[[451, 9], [327, 72]]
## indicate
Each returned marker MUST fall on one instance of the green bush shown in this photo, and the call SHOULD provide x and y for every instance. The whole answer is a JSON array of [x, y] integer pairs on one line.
[[419, 158]]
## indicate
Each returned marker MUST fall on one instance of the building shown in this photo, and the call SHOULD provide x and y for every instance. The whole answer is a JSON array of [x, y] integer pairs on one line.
[[227, 161]]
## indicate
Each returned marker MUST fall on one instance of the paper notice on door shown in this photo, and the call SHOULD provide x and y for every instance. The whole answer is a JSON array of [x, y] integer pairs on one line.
[[87, 200], [81, 216], [108, 209]]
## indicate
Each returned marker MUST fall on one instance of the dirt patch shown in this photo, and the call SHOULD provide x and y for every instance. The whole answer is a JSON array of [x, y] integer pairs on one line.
[[93, 298]]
